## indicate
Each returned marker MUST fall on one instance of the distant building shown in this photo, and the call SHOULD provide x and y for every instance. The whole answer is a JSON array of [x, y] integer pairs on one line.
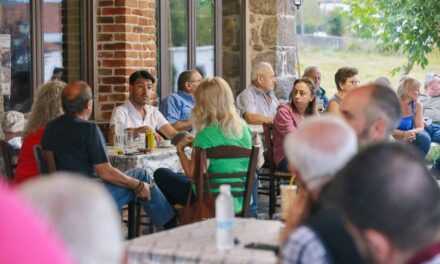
[[328, 6]]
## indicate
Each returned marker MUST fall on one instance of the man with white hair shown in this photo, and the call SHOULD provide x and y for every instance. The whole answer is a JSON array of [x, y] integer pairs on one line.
[[316, 151], [431, 102], [82, 212], [257, 103]]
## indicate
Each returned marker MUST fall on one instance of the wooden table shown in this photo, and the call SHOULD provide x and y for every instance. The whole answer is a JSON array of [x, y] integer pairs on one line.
[[196, 243]]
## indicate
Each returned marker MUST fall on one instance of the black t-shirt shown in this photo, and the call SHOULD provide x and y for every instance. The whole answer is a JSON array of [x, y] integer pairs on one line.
[[77, 144]]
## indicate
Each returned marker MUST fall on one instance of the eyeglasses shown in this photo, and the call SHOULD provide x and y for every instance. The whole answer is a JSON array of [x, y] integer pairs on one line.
[[195, 81]]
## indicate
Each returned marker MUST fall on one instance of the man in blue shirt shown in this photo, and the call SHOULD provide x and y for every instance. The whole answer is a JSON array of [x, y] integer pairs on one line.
[[177, 107]]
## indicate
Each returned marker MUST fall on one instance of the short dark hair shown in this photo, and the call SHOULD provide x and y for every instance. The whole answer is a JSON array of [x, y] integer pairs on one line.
[[142, 74], [58, 70], [184, 77], [343, 74], [384, 99], [388, 188], [75, 97]]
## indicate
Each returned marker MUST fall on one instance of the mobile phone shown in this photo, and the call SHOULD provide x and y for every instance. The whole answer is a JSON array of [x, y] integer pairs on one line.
[[262, 246]]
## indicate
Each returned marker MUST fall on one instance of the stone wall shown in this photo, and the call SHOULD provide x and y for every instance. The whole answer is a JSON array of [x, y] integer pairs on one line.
[[232, 53], [126, 42], [272, 38]]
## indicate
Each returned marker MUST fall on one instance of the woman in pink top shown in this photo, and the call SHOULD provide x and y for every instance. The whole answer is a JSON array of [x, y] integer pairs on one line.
[[289, 116]]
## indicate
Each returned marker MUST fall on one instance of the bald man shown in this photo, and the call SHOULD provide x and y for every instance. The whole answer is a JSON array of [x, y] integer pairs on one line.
[[78, 146], [373, 111], [257, 103]]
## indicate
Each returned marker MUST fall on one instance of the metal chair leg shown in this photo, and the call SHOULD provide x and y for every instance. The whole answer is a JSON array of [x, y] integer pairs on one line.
[[272, 197], [133, 219]]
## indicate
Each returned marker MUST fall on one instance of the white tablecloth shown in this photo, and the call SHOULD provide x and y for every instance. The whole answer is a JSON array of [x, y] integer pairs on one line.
[[196, 244], [158, 158]]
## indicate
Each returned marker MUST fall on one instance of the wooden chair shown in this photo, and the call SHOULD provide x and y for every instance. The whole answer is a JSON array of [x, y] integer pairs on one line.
[[205, 185], [45, 160], [8, 160], [269, 173]]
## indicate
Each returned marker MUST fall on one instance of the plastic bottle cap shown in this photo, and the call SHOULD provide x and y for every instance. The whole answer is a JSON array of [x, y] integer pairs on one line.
[[225, 188]]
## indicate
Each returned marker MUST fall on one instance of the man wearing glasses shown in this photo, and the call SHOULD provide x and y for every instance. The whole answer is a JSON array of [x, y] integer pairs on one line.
[[137, 114], [177, 107]]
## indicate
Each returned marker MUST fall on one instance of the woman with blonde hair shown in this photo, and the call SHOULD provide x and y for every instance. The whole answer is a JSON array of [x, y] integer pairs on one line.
[[411, 128], [217, 123], [46, 107]]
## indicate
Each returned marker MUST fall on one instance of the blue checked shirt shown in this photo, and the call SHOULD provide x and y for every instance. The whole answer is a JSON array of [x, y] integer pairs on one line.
[[304, 247]]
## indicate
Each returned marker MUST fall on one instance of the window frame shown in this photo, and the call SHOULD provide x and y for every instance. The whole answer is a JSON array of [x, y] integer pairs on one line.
[[87, 42], [163, 57]]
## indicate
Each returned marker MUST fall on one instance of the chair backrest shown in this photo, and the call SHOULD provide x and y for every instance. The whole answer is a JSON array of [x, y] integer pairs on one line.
[[45, 160], [9, 164], [268, 146], [240, 188]]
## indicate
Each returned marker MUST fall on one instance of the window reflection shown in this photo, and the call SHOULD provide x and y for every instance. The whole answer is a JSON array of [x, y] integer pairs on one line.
[[16, 60], [61, 36], [177, 41], [205, 51]]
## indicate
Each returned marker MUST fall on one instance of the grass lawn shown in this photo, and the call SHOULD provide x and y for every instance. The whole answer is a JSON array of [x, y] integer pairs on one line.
[[370, 65]]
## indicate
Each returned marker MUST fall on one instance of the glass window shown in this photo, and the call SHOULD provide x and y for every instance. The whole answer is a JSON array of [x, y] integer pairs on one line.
[[15, 54], [205, 29], [177, 41], [61, 37]]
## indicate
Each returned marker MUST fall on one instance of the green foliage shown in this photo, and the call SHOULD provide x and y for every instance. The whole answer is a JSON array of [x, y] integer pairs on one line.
[[336, 23], [204, 22], [411, 27]]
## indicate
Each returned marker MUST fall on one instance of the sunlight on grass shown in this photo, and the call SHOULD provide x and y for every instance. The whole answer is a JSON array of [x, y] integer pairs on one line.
[[370, 65]]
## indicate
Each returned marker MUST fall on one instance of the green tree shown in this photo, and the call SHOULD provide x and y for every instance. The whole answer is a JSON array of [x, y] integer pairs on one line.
[[336, 23], [410, 27]]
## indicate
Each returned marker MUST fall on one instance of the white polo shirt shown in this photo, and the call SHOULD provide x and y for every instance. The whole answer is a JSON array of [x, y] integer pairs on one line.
[[128, 117]]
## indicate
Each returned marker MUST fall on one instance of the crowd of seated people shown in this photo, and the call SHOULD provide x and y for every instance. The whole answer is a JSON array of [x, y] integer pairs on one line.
[[362, 197]]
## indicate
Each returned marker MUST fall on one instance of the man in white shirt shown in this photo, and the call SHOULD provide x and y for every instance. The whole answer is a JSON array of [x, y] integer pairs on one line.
[[137, 114], [257, 103]]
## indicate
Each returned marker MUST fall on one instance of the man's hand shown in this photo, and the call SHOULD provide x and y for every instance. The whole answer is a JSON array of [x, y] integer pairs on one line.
[[409, 136], [145, 193]]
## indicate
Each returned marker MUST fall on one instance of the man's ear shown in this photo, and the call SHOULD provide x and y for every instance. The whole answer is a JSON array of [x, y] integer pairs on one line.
[[378, 129], [379, 246]]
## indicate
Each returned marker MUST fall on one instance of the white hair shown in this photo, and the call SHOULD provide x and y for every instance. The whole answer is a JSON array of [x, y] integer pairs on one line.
[[319, 148], [259, 69], [82, 212]]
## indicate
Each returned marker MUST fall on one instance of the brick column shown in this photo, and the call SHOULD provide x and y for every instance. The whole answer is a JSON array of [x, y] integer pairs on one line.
[[126, 41]]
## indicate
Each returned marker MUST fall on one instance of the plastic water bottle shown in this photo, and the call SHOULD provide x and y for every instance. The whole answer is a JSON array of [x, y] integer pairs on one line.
[[224, 214]]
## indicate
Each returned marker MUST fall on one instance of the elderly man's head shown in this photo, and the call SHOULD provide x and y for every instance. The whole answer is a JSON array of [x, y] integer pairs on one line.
[[319, 148], [391, 202], [432, 84], [373, 111], [263, 76], [76, 99], [313, 74], [82, 212]]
